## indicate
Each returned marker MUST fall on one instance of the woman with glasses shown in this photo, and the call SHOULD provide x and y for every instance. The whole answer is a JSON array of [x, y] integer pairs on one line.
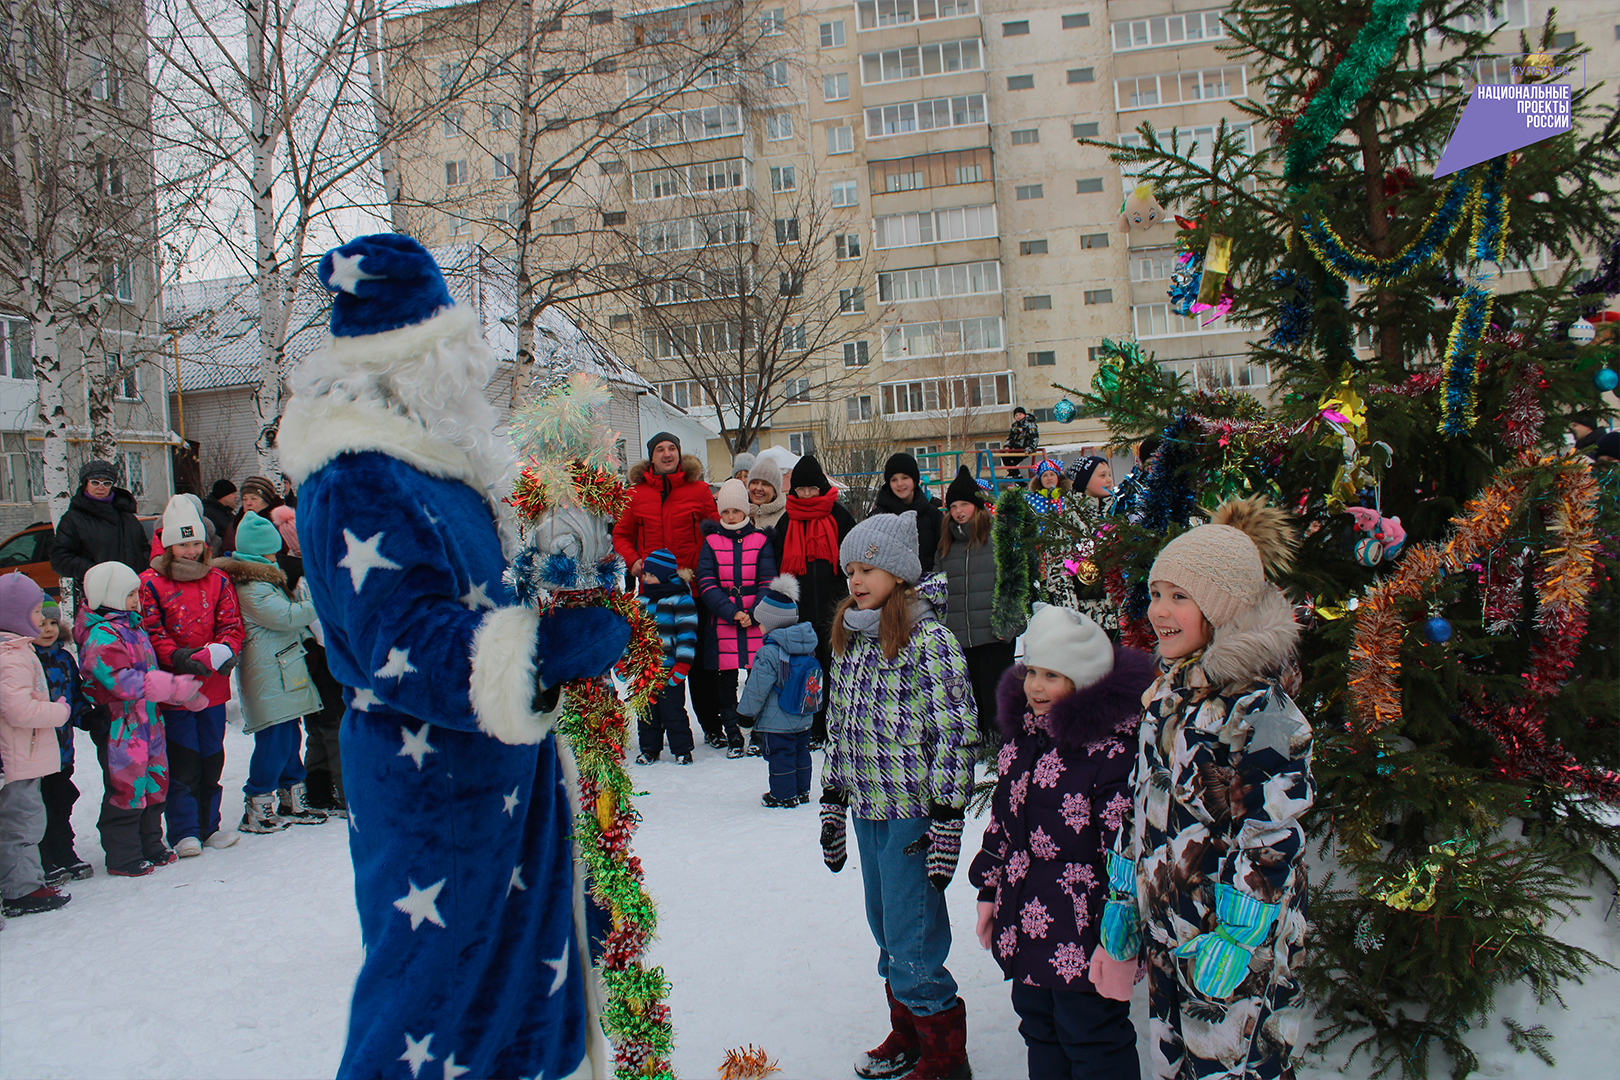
[[99, 526]]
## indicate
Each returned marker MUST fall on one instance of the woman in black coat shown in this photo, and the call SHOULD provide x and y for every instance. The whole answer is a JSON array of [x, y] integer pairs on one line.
[[99, 526], [815, 524], [902, 491]]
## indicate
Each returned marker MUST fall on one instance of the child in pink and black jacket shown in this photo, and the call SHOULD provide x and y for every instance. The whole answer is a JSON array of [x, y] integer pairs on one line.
[[734, 566], [1067, 717]]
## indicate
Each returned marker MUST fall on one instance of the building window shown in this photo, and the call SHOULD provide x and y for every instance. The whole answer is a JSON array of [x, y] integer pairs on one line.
[[1020, 82], [678, 341], [1075, 22], [683, 234], [845, 193], [450, 74], [776, 74], [452, 122], [1168, 30], [779, 126], [559, 176], [935, 226], [858, 409], [1081, 75], [1180, 87], [126, 385], [601, 18], [131, 472], [1203, 135], [105, 83], [803, 443], [612, 167], [1042, 359], [455, 172], [1088, 185], [1565, 40], [848, 245], [835, 87], [789, 283], [696, 179], [1153, 264], [933, 282], [619, 320], [1015, 29], [688, 125], [1083, 131], [841, 140], [948, 338], [796, 391], [1094, 240], [851, 301], [773, 22], [1029, 191], [505, 165], [1026, 136], [1032, 247], [16, 349], [875, 14], [456, 223], [832, 34], [787, 230], [1037, 303], [117, 280], [1158, 321], [945, 169], [561, 226], [855, 354], [936, 396], [613, 217], [500, 117], [921, 61], [914, 116], [1100, 296], [783, 178]]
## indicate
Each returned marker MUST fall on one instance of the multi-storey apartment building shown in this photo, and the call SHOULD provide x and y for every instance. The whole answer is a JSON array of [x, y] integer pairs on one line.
[[77, 189], [969, 249]]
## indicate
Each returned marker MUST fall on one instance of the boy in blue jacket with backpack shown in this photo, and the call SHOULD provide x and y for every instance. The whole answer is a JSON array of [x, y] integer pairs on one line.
[[783, 693]]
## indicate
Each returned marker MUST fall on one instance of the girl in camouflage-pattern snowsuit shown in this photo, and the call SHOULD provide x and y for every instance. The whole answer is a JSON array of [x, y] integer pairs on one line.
[[1212, 862]]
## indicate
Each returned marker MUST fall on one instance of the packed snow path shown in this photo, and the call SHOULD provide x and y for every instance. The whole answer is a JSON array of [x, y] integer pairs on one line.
[[238, 964]]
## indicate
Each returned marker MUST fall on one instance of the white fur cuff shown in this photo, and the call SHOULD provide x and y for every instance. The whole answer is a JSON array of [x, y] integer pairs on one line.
[[505, 679]]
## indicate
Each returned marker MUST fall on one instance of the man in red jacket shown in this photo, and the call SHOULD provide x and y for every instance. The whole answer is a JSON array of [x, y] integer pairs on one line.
[[669, 502]]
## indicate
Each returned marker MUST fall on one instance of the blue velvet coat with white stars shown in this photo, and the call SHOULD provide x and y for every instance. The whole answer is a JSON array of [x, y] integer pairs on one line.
[[471, 908]]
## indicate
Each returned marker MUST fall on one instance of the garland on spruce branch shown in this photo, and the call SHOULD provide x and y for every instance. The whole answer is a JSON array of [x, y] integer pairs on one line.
[[1015, 565]]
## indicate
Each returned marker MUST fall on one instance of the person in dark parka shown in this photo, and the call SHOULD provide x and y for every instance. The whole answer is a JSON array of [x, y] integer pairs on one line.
[[219, 510], [99, 526], [902, 491], [967, 558], [816, 524]]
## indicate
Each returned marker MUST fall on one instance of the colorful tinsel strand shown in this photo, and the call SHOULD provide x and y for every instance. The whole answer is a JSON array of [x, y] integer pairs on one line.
[[1459, 372], [1459, 200], [1294, 312], [1522, 417]]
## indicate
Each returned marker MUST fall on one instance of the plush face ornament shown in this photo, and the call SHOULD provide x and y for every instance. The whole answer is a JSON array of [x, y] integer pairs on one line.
[[1141, 210]]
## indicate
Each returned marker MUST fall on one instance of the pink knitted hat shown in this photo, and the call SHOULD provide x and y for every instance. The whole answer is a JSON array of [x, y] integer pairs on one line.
[[1223, 565]]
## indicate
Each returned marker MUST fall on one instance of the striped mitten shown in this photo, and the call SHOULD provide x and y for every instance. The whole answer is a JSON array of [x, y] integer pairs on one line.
[[943, 841], [834, 845]]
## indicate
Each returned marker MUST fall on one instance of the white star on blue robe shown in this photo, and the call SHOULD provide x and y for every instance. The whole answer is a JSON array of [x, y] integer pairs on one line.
[[420, 904], [416, 1052], [516, 882], [363, 557], [364, 699], [346, 273], [560, 966], [416, 745], [511, 802], [451, 1069], [476, 598], [397, 664]]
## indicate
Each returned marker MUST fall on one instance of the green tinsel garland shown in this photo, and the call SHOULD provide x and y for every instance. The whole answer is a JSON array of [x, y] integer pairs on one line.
[[1015, 565]]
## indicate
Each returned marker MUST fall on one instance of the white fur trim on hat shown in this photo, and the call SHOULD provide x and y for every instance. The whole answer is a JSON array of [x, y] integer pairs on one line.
[[108, 584], [182, 524], [505, 679], [1069, 643]]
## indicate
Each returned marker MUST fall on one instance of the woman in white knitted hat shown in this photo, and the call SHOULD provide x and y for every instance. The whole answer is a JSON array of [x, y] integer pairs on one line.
[[1214, 857]]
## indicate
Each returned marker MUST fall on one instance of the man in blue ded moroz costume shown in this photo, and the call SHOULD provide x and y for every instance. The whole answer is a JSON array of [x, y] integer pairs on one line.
[[472, 902]]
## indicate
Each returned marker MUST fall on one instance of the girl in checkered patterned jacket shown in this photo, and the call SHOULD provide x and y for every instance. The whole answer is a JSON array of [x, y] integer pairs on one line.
[[901, 726]]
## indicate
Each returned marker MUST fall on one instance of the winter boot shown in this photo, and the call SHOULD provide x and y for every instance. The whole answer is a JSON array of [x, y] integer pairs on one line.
[[138, 868], [899, 1052], [944, 1045], [44, 898], [259, 816], [295, 810]]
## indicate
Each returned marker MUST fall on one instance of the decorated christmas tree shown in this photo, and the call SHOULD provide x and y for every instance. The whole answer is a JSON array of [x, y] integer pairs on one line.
[[1456, 580]]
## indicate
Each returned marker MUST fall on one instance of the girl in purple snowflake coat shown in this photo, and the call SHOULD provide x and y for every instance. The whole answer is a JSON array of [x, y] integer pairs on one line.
[[1066, 715]]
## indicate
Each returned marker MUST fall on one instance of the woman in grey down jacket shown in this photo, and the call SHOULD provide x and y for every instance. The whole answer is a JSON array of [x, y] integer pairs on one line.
[[967, 557]]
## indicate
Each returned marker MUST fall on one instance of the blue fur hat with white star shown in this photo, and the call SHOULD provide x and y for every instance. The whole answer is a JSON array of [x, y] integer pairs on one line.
[[382, 282]]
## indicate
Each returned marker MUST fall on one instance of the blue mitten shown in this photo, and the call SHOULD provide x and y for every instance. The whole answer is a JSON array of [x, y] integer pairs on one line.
[[579, 643], [1121, 922], [1221, 958]]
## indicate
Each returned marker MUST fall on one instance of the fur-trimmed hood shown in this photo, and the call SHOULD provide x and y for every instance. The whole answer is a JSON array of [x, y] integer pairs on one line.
[[691, 465], [1257, 643], [1110, 707], [242, 571]]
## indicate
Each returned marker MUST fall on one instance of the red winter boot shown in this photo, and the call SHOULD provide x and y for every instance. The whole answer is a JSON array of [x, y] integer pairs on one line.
[[899, 1052], [944, 1045]]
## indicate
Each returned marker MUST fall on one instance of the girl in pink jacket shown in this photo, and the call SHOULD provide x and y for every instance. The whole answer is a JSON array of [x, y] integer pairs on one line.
[[28, 723]]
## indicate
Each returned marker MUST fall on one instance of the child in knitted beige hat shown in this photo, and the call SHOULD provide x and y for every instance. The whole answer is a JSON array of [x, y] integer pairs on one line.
[[1213, 858]]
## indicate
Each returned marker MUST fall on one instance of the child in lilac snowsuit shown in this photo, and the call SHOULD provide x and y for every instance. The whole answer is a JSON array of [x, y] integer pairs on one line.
[[1067, 715], [120, 671]]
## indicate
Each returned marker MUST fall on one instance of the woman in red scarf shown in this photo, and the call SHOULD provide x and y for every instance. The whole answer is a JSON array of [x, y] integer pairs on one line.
[[815, 524]]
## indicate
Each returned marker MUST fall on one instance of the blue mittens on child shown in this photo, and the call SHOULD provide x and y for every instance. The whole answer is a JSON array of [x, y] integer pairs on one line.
[[579, 643], [834, 845], [1122, 921], [1221, 958], [943, 840]]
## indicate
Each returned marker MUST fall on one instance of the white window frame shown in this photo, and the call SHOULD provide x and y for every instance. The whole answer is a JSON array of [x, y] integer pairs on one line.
[[832, 34], [931, 226], [1153, 321], [506, 165], [1187, 28], [11, 330], [1153, 263], [930, 399], [847, 246], [688, 126], [1211, 373], [693, 233], [778, 126], [911, 117], [776, 74], [131, 471], [950, 337], [784, 178], [857, 354], [852, 301], [840, 140], [835, 86], [1202, 134], [922, 61], [846, 193], [126, 385], [858, 409], [802, 443], [118, 280], [882, 14], [925, 283], [699, 178], [796, 391], [455, 172], [1172, 88]]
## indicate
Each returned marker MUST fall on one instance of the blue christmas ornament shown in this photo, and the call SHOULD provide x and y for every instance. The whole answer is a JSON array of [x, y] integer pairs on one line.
[[1063, 411], [1437, 630], [1605, 380]]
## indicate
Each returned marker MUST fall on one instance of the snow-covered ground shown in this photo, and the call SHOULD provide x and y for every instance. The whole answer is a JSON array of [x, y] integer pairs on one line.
[[239, 963]]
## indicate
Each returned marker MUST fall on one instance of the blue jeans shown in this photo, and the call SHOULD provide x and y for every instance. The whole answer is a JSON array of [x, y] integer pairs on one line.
[[907, 915], [275, 763], [196, 758], [787, 757]]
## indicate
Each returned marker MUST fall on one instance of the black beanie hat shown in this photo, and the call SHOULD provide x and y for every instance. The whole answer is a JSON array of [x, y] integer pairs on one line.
[[662, 436], [902, 463], [221, 489], [964, 489], [807, 473], [1080, 472], [96, 469]]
